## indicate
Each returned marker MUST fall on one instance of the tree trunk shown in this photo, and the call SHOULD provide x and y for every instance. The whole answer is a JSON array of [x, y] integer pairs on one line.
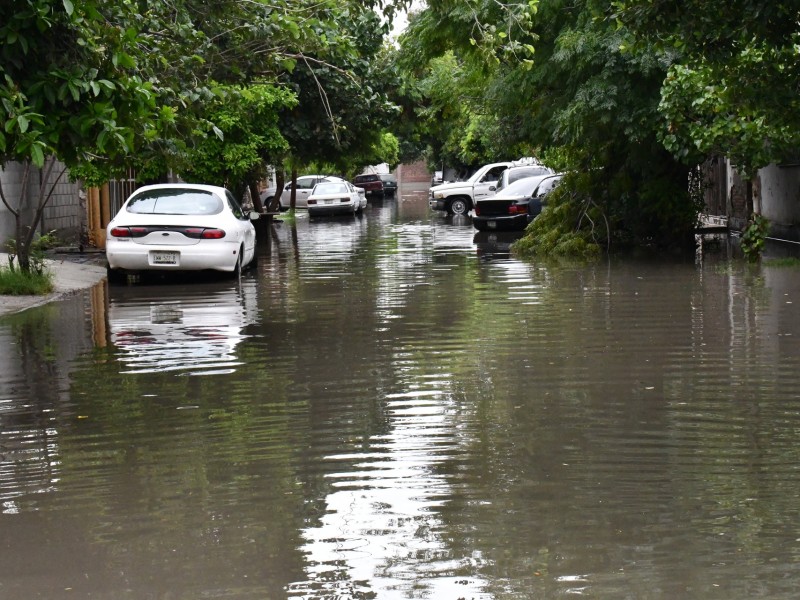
[[21, 249], [255, 196], [262, 223], [293, 200], [275, 205]]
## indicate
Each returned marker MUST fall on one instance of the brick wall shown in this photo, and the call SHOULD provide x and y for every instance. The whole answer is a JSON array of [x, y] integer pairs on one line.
[[413, 173]]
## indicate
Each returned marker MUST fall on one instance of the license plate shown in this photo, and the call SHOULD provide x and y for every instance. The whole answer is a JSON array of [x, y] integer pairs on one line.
[[329, 201], [491, 224], [164, 258]]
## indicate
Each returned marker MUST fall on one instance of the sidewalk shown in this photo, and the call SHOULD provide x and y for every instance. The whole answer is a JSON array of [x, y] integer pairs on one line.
[[71, 274]]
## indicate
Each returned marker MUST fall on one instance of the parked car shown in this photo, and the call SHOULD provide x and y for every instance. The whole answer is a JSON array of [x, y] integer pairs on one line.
[[389, 184], [371, 183], [513, 174], [515, 206], [179, 227], [336, 197], [459, 197], [305, 183]]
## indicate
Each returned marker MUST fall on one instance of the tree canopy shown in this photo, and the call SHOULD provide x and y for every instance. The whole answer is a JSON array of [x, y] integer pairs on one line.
[[552, 78], [734, 89], [102, 85]]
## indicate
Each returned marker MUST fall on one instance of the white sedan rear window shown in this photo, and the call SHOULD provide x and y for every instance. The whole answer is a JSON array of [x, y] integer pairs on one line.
[[331, 188], [175, 202]]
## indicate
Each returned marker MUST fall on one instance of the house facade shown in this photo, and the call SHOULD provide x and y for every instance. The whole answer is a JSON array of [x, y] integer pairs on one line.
[[773, 193]]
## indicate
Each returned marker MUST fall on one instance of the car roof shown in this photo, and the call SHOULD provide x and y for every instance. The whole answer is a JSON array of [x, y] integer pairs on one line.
[[521, 187], [216, 189]]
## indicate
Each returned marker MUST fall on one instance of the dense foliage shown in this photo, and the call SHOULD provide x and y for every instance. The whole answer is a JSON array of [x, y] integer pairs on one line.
[[103, 85], [734, 91], [627, 97]]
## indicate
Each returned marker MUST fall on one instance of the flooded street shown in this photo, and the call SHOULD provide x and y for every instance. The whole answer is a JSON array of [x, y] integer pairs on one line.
[[390, 407]]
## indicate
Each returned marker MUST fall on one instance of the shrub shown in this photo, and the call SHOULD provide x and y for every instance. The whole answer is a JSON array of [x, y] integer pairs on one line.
[[37, 251], [754, 237], [14, 282]]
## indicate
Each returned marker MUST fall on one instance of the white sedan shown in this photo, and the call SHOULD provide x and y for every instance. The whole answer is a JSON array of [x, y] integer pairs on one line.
[[305, 184], [336, 197], [180, 227]]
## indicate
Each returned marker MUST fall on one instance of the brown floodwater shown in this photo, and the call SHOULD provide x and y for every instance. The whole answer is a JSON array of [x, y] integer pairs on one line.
[[390, 406]]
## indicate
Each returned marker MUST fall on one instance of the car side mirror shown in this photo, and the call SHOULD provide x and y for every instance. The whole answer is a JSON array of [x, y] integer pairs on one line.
[[492, 188], [254, 216]]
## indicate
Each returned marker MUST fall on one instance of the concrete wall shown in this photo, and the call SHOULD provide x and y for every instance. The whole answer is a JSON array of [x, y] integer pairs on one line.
[[65, 211], [778, 191]]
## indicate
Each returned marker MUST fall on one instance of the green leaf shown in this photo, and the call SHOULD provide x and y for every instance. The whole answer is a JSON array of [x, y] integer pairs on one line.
[[68, 7], [23, 123], [37, 156]]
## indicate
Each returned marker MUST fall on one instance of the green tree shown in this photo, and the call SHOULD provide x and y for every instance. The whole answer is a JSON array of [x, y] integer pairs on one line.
[[733, 91], [554, 77], [343, 105], [62, 97], [251, 139], [100, 85]]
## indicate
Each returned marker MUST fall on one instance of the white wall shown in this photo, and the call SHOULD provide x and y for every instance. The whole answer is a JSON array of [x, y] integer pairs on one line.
[[780, 194]]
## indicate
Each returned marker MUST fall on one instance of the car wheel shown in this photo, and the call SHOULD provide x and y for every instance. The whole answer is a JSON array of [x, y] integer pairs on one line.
[[459, 206]]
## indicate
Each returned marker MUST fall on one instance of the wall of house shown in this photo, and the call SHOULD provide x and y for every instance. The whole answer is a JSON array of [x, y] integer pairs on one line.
[[65, 211], [779, 195], [413, 173]]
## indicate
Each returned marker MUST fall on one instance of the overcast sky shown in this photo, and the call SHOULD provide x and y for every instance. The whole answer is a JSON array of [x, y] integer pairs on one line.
[[401, 21]]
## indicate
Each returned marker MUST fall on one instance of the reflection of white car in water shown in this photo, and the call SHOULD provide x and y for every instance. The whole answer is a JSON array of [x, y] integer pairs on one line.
[[189, 329]]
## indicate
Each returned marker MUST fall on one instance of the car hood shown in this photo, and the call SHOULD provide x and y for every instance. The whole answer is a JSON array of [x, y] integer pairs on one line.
[[451, 186]]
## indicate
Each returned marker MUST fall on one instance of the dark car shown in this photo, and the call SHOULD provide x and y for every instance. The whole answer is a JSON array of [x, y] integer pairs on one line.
[[389, 184], [370, 183], [515, 206], [539, 198]]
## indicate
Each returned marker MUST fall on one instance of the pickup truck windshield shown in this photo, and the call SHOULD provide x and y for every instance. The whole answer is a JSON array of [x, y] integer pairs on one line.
[[491, 175]]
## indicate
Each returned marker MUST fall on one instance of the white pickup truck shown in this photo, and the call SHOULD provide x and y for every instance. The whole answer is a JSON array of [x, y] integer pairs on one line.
[[459, 197]]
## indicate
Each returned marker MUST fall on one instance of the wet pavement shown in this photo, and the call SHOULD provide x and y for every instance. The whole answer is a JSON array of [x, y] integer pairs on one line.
[[72, 271], [391, 406]]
